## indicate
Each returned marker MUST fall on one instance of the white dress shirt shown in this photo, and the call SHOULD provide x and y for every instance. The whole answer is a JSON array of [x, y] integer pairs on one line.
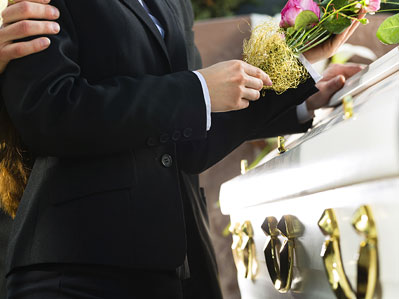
[[302, 110]]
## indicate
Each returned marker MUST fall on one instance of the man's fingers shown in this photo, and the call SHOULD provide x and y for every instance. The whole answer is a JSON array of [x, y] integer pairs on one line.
[[24, 29], [254, 83], [250, 94], [362, 14], [257, 73], [349, 31], [232, 84], [336, 84], [29, 10], [352, 29], [341, 38], [37, 1], [347, 70], [21, 49], [243, 104], [331, 86], [326, 90]]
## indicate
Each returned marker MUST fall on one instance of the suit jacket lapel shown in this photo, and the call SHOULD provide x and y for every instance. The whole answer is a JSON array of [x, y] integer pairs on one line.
[[174, 34], [141, 14]]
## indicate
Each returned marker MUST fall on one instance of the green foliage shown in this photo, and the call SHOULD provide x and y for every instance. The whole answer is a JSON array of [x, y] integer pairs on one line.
[[388, 32], [336, 25], [305, 18], [205, 9], [336, 4]]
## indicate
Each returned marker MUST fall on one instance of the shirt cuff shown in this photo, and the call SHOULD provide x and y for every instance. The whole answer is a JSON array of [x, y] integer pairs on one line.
[[303, 114], [315, 75], [207, 99]]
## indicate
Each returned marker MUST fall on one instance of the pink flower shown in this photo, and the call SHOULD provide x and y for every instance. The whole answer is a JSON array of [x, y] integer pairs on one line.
[[372, 5], [294, 7]]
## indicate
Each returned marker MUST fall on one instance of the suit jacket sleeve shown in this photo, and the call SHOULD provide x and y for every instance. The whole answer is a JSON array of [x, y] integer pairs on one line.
[[287, 123], [272, 115], [59, 112]]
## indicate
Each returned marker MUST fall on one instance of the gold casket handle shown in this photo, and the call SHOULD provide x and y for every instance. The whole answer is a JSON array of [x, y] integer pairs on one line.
[[280, 259], [332, 257], [367, 276], [244, 251], [281, 144], [249, 250], [367, 265], [347, 102]]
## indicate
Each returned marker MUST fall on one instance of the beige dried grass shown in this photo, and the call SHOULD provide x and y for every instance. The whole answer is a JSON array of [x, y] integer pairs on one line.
[[268, 50]]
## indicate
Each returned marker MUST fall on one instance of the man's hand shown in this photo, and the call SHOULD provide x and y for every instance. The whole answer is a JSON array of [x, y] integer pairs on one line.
[[333, 80], [330, 47], [232, 84], [18, 23]]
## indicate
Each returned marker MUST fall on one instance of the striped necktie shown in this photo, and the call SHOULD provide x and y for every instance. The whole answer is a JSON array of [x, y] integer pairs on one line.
[[154, 19]]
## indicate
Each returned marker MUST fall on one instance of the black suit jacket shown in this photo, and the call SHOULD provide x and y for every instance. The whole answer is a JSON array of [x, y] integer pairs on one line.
[[5, 225], [116, 122]]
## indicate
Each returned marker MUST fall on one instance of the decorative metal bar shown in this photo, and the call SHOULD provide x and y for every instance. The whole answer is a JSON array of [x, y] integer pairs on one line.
[[367, 266], [280, 259], [244, 250], [332, 257]]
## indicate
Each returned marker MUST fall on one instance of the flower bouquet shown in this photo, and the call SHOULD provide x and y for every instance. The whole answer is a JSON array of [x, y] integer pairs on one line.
[[304, 24]]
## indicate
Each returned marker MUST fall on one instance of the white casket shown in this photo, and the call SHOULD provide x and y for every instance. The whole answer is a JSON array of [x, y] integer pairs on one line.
[[319, 220]]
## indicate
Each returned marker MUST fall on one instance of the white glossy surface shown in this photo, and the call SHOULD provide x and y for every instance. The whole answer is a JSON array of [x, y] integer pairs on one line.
[[372, 74], [337, 153]]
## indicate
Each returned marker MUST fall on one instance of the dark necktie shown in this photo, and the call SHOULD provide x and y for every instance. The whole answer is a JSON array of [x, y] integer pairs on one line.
[[153, 18]]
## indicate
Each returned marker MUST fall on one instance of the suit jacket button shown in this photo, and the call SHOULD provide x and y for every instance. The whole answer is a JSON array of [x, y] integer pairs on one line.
[[151, 141], [164, 138], [176, 136], [187, 132], [167, 160]]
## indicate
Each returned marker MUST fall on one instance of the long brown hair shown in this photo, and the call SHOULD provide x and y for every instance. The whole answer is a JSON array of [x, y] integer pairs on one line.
[[14, 165]]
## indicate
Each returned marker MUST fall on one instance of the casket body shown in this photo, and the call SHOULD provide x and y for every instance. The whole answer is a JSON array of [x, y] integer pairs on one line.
[[340, 164]]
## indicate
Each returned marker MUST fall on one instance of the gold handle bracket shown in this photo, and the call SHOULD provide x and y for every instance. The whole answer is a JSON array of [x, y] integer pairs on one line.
[[281, 144], [347, 103], [367, 268], [244, 250], [280, 257], [332, 256], [244, 166], [367, 265]]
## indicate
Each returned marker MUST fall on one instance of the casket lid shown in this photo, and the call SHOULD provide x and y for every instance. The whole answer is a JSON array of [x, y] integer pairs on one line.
[[337, 152]]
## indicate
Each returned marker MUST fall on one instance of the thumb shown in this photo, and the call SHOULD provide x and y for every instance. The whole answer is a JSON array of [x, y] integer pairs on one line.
[[326, 90], [332, 86]]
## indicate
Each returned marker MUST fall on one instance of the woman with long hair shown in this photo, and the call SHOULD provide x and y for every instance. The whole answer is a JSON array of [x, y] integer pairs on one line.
[[15, 163], [14, 160]]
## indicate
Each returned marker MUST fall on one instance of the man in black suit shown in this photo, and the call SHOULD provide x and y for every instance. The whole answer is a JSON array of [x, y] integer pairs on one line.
[[91, 210]]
